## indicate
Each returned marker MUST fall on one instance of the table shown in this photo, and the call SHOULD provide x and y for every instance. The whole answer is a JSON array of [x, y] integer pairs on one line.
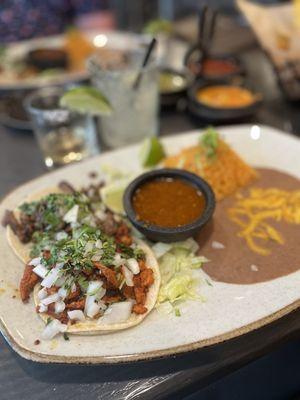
[[176, 377]]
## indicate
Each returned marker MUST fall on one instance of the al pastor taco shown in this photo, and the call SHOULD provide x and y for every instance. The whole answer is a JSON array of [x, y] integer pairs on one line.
[[88, 274]]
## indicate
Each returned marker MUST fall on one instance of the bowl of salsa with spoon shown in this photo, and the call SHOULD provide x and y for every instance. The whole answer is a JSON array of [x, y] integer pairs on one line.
[[169, 205]]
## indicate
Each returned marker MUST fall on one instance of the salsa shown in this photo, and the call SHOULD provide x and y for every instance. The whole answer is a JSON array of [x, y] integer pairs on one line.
[[168, 203], [225, 96], [218, 67]]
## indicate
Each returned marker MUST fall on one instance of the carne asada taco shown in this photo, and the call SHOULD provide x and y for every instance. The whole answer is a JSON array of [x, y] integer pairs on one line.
[[87, 272], [19, 228]]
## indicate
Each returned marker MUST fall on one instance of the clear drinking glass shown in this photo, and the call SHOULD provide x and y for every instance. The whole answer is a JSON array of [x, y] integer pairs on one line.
[[135, 111], [63, 136]]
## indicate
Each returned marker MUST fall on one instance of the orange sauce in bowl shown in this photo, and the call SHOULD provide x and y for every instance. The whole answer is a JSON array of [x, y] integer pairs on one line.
[[168, 203], [224, 96]]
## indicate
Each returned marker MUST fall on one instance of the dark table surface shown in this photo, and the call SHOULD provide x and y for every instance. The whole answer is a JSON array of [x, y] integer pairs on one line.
[[20, 160]]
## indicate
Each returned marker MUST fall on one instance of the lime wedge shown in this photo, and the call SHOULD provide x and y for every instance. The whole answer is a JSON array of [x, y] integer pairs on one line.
[[112, 195], [151, 152], [86, 100]]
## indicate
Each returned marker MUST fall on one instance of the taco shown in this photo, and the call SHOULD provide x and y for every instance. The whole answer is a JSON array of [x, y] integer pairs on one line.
[[18, 234], [87, 272]]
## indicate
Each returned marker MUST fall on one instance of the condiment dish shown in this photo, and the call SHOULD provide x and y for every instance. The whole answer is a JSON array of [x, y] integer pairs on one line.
[[166, 234], [210, 113]]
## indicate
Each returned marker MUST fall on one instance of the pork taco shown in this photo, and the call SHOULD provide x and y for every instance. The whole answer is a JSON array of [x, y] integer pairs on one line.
[[88, 274]]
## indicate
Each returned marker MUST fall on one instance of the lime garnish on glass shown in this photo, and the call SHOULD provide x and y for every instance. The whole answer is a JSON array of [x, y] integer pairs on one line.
[[151, 152], [86, 100]]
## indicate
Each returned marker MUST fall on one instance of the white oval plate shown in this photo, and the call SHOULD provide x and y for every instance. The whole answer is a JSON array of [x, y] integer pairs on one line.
[[229, 311]]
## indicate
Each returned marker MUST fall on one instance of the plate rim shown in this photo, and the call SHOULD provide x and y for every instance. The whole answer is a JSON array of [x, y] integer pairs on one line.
[[152, 354]]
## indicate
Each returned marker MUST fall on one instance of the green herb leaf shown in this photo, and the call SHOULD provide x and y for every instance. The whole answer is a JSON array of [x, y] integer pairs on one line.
[[177, 312], [210, 141], [66, 336]]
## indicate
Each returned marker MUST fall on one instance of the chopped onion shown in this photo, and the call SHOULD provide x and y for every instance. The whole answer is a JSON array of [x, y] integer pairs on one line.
[[51, 299], [42, 294], [43, 308], [161, 249], [76, 315], [133, 265], [71, 215], [73, 287], [52, 276], [61, 235], [40, 270], [100, 215], [59, 307], [62, 292], [128, 275], [94, 293], [254, 268], [92, 308], [217, 245], [35, 261], [118, 260], [116, 313], [93, 287], [97, 256], [53, 328], [88, 247], [98, 244]]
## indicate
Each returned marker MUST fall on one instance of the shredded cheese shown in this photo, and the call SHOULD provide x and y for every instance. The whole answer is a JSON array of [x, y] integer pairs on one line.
[[253, 213]]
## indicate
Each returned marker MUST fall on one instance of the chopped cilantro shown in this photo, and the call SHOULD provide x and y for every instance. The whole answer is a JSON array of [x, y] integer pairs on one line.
[[48, 320], [66, 336], [210, 141], [177, 312]]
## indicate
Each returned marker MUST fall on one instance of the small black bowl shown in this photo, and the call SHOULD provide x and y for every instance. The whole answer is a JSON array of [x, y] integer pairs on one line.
[[167, 235], [218, 114], [195, 57], [170, 97]]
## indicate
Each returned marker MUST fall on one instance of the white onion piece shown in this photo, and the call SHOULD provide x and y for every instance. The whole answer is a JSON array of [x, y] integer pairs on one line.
[[52, 276], [42, 308], [53, 328], [161, 249], [88, 247], [96, 257], [217, 245], [35, 261], [62, 292], [98, 244], [92, 308], [94, 293], [73, 287], [61, 235], [116, 313], [118, 260], [76, 315], [100, 215], [71, 215], [50, 299], [40, 270], [93, 287], [59, 307], [42, 294], [133, 265], [128, 275]]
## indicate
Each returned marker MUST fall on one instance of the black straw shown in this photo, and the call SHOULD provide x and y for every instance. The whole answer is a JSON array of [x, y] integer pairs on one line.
[[145, 62]]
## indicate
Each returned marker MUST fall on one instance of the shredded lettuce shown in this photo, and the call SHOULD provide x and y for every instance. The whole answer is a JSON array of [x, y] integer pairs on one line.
[[178, 262]]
